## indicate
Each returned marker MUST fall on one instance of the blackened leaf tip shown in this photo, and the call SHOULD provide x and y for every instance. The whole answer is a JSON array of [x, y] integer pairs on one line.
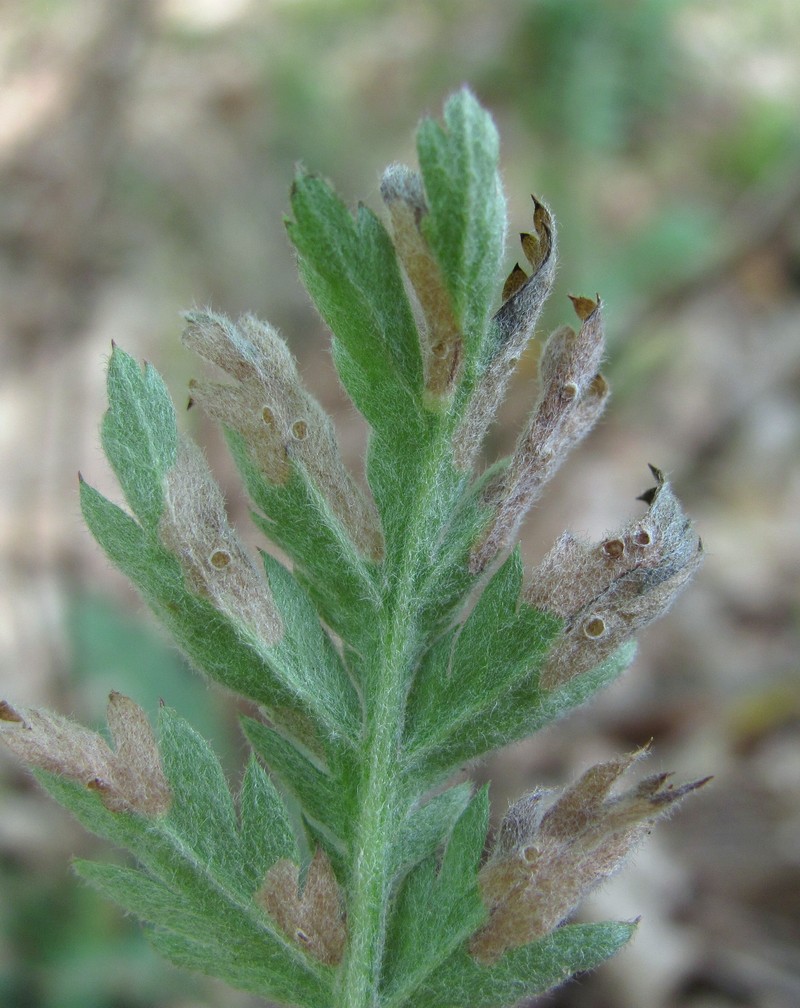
[[650, 495]]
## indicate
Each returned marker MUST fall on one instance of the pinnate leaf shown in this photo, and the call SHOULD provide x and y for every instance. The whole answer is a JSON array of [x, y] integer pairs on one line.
[[350, 269], [524, 972], [517, 714], [139, 434], [499, 649], [466, 222], [341, 582], [393, 652], [438, 907], [266, 832], [219, 645], [324, 797]]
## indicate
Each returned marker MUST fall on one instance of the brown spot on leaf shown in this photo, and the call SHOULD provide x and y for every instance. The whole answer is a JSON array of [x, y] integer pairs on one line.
[[530, 887], [127, 779], [220, 559], [569, 391], [313, 917], [594, 627], [614, 548]]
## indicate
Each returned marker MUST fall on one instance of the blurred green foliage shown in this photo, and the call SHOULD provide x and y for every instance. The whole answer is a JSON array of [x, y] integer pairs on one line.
[[67, 948], [603, 72], [111, 650]]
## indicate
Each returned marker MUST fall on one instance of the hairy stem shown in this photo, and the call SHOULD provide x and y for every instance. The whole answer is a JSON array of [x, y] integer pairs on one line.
[[383, 797], [374, 834]]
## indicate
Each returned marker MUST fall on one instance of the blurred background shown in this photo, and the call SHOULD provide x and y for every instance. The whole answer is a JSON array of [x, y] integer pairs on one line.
[[146, 151]]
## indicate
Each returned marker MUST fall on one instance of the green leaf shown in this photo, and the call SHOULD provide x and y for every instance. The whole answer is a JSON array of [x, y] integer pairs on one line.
[[438, 907], [501, 644], [426, 828], [245, 966], [515, 716], [207, 637], [139, 434], [224, 650], [233, 933], [325, 799], [350, 269], [147, 899], [202, 811], [266, 831], [296, 517], [523, 972], [466, 223], [161, 849], [306, 658]]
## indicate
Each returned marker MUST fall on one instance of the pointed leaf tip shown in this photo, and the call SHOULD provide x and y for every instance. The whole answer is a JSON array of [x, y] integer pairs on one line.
[[7, 713], [514, 281], [584, 307]]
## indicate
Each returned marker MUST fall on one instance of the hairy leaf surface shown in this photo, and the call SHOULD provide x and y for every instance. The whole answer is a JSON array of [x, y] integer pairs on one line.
[[439, 906]]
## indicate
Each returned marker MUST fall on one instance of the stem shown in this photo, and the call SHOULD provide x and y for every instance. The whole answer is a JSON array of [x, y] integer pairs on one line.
[[381, 805], [373, 839]]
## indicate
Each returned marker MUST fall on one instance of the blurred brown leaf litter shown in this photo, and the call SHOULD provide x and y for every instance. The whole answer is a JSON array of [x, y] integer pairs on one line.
[[146, 151]]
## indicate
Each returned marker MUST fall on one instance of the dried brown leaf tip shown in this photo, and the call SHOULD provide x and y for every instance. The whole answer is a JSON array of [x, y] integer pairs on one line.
[[515, 279], [194, 526], [572, 396], [523, 298], [552, 850], [607, 591], [127, 779], [281, 423], [538, 246], [313, 917], [440, 335]]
